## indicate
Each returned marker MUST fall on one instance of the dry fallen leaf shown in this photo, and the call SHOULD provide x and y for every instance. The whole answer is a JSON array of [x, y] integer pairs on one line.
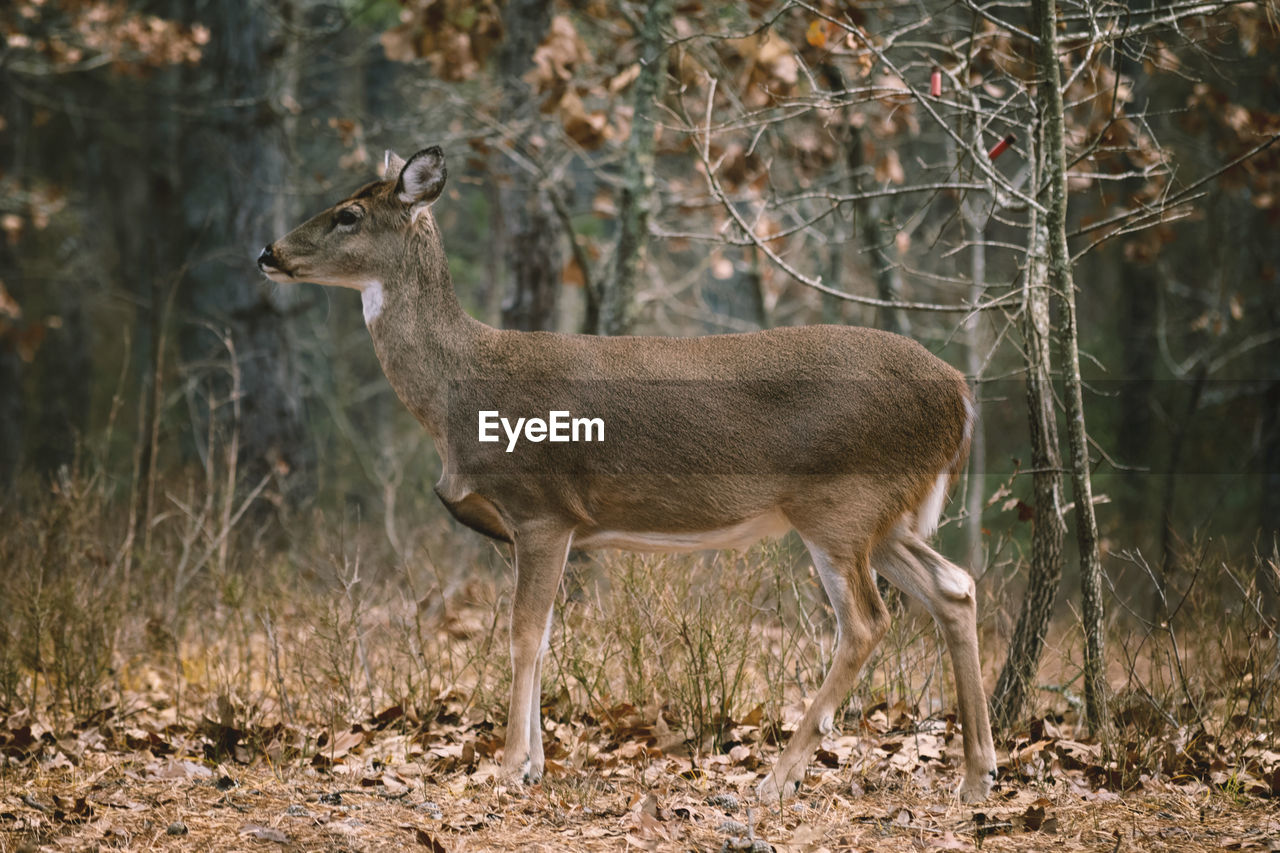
[[263, 833], [429, 841]]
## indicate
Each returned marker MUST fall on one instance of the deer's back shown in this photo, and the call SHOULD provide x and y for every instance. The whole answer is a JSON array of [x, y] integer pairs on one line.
[[808, 399]]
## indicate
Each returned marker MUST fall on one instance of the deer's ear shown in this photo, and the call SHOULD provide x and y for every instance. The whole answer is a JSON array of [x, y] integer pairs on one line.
[[422, 178], [392, 165]]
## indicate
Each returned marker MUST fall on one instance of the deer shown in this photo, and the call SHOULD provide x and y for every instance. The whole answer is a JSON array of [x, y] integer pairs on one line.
[[850, 436]]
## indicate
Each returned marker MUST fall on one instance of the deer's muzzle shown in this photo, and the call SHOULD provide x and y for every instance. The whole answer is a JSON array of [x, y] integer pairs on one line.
[[267, 260]]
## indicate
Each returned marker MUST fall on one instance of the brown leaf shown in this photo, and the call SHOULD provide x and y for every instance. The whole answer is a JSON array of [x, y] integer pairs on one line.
[[741, 754], [588, 129], [776, 56], [572, 275], [816, 34], [620, 81], [889, 168], [645, 805], [429, 841], [177, 769], [398, 45], [1033, 818], [1076, 755], [633, 750], [389, 715], [9, 306], [264, 833], [826, 758], [556, 58]]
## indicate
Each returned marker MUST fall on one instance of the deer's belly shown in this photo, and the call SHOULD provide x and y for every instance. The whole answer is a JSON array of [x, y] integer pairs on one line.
[[735, 536]]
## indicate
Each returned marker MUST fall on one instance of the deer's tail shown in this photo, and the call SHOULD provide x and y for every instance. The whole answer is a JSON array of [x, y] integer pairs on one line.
[[930, 510]]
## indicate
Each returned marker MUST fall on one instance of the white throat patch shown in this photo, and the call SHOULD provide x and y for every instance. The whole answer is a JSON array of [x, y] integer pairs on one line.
[[371, 298]]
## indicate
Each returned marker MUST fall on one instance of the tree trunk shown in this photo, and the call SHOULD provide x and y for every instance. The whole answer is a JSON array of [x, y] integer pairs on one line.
[[249, 141], [1268, 568], [833, 307], [1027, 643], [877, 240], [635, 204], [975, 212], [60, 373], [1061, 282], [755, 285], [1135, 327], [12, 415], [1173, 468], [973, 339], [531, 238]]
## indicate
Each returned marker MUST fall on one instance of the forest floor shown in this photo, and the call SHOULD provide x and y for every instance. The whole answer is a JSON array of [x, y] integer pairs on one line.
[[139, 775], [390, 784]]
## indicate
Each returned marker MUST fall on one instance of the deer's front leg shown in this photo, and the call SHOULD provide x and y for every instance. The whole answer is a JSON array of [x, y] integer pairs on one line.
[[540, 557]]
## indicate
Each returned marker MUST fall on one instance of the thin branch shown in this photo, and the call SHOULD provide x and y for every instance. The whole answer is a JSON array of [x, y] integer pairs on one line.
[[884, 192], [1180, 196], [589, 285], [974, 7], [984, 165], [713, 184], [1172, 15]]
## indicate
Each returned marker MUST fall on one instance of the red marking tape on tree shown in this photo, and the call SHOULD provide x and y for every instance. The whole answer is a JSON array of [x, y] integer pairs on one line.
[[935, 83], [1000, 147]]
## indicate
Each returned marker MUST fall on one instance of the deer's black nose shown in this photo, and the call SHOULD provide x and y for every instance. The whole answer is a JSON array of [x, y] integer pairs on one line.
[[267, 259]]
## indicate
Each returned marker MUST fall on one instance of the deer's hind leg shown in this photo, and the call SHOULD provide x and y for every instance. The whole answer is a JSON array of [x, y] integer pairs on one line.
[[861, 620], [948, 592]]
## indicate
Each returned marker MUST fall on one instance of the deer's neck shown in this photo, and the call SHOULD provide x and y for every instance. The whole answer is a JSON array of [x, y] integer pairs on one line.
[[421, 334]]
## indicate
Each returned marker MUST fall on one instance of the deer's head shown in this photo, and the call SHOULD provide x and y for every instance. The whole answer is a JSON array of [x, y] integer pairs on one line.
[[360, 242]]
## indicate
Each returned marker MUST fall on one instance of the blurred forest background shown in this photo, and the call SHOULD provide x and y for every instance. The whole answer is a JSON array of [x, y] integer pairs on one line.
[[677, 167]]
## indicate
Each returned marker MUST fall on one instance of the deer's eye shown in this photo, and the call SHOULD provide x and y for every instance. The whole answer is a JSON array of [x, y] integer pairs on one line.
[[347, 217]]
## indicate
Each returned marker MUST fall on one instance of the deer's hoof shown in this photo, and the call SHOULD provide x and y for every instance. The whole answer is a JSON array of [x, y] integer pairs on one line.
[[976, 786], [524, 772], [774, 789]]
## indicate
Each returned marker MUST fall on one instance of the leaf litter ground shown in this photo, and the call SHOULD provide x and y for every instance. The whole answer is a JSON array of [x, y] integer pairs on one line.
[[619, 781]]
